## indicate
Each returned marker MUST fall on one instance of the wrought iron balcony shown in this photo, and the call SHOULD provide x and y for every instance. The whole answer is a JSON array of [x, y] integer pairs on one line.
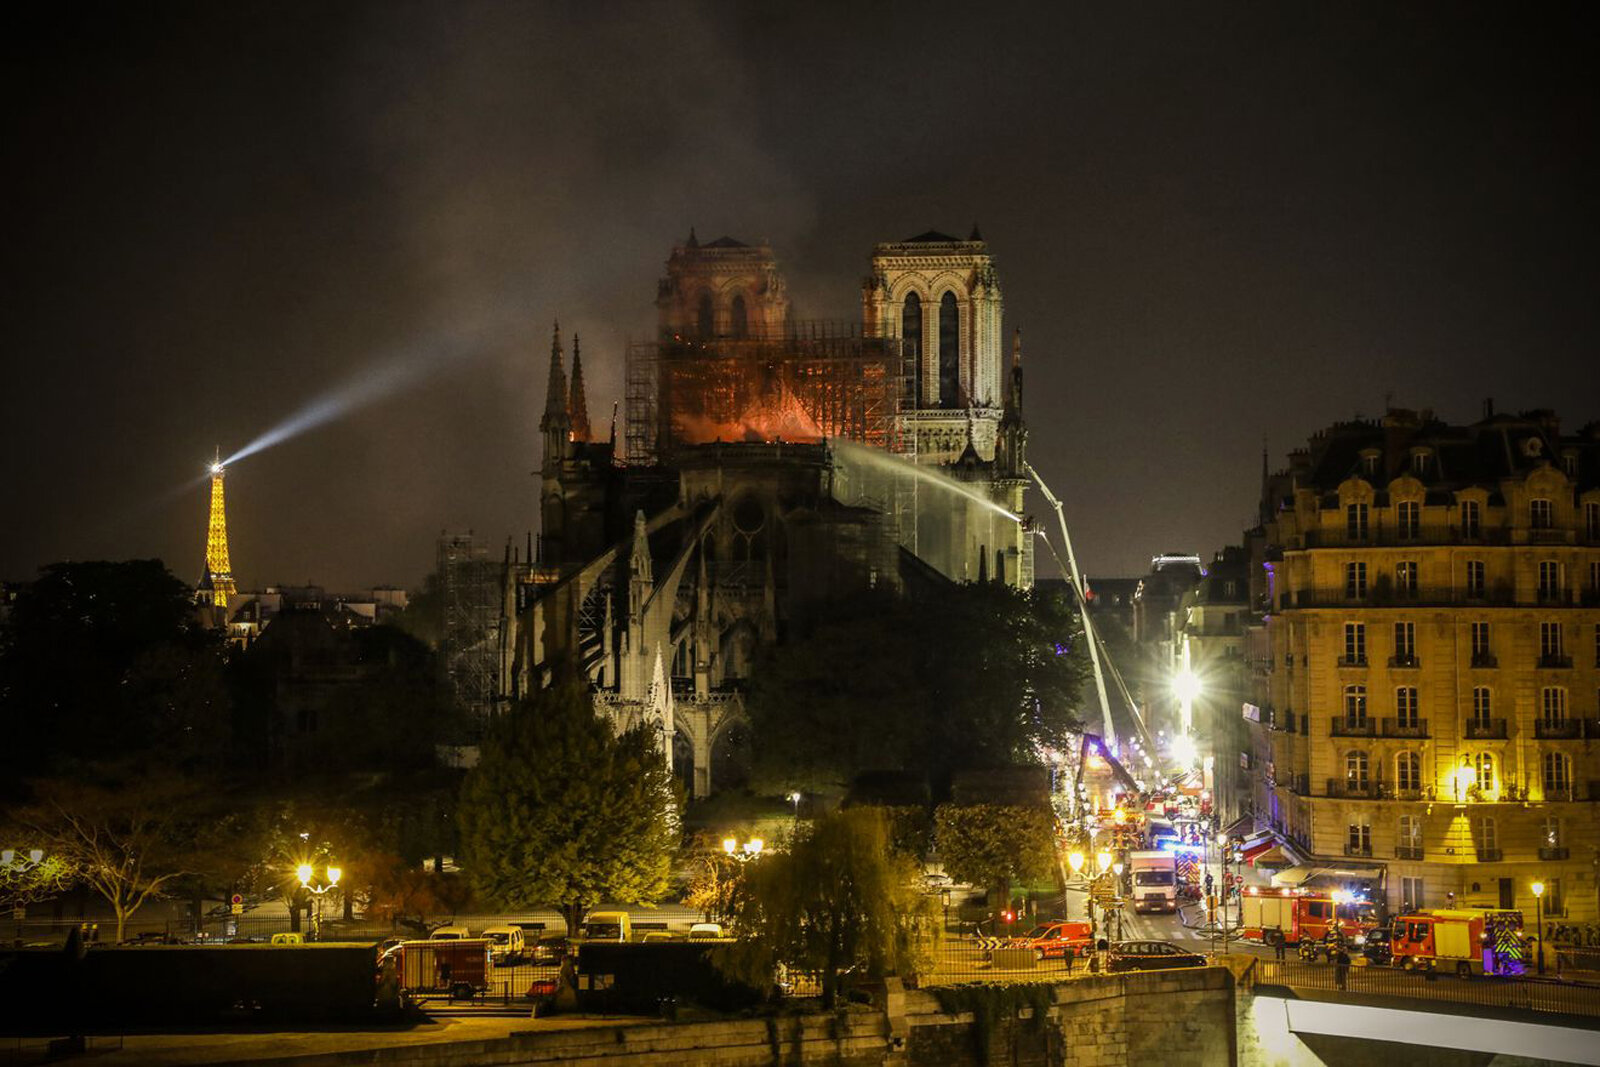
[[1405, 728], [1355, 789], [1353, 728], [1353, 849], [1352, 661], [1485, 729], [1407, 661], [1555, 662], [1489, 855], [1553, 852], [1484, 661], [1408, 852], [1558, 729]]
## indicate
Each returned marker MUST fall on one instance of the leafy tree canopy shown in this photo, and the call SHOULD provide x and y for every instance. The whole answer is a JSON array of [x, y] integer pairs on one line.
[[563, 812], [101, 658], [963, 676], [996, 845], [841, 900]]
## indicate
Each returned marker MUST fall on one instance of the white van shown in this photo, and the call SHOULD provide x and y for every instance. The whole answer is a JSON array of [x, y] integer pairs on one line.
[[450, 933], [608, 926], [506, 943]]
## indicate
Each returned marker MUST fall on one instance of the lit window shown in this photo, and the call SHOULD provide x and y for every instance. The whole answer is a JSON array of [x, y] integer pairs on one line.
[[1483, 770], [1356, 765], [1405, 577], [1359, 841], [1355, 706]]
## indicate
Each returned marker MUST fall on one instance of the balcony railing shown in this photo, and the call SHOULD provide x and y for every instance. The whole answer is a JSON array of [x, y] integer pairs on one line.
[[1556, 852], [1555, 662], [1484, 661], [1352, 661], [1353, 728], [1408, 852], [1488, 855], [1486, 729], [1409, 661], [1353, 789], [1405, 728], [1558, 729], [1353, 849], [1385, 536]]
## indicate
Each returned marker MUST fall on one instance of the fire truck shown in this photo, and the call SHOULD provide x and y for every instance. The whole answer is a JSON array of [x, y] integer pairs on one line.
[[1464, 940], [1291, 916]]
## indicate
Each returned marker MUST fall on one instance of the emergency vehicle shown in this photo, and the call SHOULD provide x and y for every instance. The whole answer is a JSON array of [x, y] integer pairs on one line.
[[456, 967], [1291, 916], [1464, 940]]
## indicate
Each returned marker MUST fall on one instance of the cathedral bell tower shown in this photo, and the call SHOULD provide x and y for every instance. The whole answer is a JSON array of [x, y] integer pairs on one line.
[[556, 427]]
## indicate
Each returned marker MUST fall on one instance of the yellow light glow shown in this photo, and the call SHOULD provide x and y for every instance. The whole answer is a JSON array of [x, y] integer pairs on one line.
[[333, 875], [1075, 861], [1465, 778], [730, 845], [1538, 889], [1119, 815], [755, 846], [1103, 860], [1186, 684], [304, 871]]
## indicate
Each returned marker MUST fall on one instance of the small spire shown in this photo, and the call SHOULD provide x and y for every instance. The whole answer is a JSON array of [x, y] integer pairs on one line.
[[694, 242], [555, 396], [578, 403], [976, 236], [1016, 348]]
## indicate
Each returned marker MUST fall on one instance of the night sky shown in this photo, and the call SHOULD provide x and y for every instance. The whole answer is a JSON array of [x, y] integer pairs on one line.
[[1214, 223]]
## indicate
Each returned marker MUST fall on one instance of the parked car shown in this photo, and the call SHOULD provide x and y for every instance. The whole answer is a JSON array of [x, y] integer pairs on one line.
[[1375, 948], [1150, 956], [706, 932], [1051, 941], [505, 944], [654, 936], [551, 950], [608, 926], [450, 933]]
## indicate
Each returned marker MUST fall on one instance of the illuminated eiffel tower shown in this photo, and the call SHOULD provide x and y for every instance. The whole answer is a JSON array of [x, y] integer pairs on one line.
[[217, 584]]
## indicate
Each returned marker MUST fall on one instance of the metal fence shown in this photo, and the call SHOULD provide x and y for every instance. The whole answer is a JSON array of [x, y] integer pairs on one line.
[[1526, 994]]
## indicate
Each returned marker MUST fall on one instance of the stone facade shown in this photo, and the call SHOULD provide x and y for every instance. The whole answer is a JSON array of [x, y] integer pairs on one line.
[[1431, 599]]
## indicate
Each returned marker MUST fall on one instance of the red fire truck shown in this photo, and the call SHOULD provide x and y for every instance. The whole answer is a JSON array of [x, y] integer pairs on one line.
[[1464, 940], [1291, 916]]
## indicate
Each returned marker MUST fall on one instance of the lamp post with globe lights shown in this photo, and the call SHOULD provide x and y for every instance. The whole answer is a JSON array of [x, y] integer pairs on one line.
[[318, 888], [743, 853]]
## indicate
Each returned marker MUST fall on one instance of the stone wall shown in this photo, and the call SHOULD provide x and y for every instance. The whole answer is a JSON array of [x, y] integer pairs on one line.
[[1176, 1019]]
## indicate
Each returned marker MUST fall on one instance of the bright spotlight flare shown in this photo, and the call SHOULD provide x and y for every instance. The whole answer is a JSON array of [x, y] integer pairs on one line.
[[369, 386]]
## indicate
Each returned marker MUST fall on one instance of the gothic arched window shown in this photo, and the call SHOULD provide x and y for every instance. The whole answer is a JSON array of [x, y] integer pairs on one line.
[[706, 319], [911, 333], [949, 352], [741, 322]]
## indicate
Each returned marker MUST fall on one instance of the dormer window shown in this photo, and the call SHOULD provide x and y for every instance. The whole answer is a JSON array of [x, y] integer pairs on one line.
[[1419, 462], [1541, 514], [1369, 462]]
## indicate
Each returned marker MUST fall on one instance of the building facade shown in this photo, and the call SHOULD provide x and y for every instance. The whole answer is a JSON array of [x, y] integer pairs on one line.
[[1431, 630]]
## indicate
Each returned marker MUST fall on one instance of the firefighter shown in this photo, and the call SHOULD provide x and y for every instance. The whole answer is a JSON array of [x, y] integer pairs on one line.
[[1341, 967]]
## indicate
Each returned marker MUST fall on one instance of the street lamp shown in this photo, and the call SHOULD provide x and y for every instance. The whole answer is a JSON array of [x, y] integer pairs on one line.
[[1075, 861], [1102, 860], [1538, 923], [743, 853], [318, 888]]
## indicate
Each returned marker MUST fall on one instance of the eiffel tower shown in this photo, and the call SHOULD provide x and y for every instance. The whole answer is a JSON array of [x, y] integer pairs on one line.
[[217, 585]]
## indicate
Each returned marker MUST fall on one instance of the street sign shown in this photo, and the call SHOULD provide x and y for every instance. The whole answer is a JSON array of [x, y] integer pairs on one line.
[[237, 909], [236, 900]]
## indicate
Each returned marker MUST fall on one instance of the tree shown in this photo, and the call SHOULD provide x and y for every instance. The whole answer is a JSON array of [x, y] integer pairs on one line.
[[995, 845], [562, 811], [107, 658], [30, 878], [841, 900], [128, 841], [960, 676]]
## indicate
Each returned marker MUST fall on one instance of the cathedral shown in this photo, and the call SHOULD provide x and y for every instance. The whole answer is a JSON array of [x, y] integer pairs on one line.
[[767, 466]]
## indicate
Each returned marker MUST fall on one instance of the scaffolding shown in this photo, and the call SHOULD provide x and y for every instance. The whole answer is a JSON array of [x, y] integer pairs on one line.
[[469, 589], [813, 381]]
